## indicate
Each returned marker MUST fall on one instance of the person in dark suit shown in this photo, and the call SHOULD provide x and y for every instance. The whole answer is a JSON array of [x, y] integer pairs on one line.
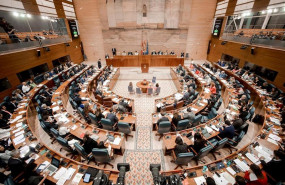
[[124, 104], [12, 105], [89, 143], [77, 100], [3, 122], [238, 122], [112, 117], [180, 147], [228, 131], [6, 114], [114, 51], [186, 95], [199, 142], [175, 119], [163, 118], [243, 113], [99, 64]]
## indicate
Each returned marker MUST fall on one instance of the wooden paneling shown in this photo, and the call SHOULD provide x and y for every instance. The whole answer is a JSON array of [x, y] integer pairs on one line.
[[231, 7], [136, 61], [260, 5], [269, 58], [11, 64]]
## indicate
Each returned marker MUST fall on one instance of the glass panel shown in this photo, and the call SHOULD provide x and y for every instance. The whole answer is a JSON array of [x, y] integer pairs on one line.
[[261, 71], [31, 73], [276, 22]]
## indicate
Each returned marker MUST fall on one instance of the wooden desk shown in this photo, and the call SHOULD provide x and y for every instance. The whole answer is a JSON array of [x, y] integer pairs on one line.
[[29, 117], [152, 60], [143, 86]]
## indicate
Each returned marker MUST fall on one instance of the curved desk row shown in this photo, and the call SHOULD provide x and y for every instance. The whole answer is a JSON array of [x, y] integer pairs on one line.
[[266, 143], [45, 152]]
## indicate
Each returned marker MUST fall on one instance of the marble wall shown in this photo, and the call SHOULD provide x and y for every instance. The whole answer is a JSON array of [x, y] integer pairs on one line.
[[158, 39]]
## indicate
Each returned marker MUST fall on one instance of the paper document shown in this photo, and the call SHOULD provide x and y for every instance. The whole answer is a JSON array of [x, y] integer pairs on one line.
[[200, 180]]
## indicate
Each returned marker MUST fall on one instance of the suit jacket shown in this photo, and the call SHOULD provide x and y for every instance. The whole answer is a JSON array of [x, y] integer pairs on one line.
[[175, 120], [199, 144], [112, 117], [228, 132], [180, 149], [237, 123], [186, 95], [16, 165]]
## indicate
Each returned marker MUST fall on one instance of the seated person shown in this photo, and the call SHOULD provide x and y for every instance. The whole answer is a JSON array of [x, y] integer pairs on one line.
[[213, 88], [265, 86], [260, 174], [242, 99], [62, 130], [125, 105], [180, 147], [276, 166], [227, 131], [32, 84], [163, 118], [189, 115], [239, 180], [112, 117], [4, 155], [50, 122], [5, 113], [3, 122], [243, 113], [274, 93], [89, 143], [124, 53], [25, 88], [153, 52], [175, 119], [237, 122], [12, 105], [199, 142], [222, 75], [46, 111], [77, 99]]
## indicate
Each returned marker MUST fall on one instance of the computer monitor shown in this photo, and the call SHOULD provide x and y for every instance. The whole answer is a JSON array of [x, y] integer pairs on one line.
[[55, 162]]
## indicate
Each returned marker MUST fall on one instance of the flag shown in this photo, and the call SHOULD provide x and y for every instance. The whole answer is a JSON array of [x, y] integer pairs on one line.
[[147, 48]]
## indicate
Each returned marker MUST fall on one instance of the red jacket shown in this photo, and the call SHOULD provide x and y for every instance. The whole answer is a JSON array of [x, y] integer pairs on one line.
[[258, 181]]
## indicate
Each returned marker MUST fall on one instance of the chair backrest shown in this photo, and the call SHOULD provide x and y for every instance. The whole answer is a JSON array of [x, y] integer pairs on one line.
[[80, 150], [54, 132], [107, 124], [64, 144], [44, 127], [101, 155], [124, 127], [93, 118], [220, 144], [164, 127], [204, 151], [244, 127], [184, 158], [157, 91], [73, 104], [252, 110], [81, 111], [240, 136], [182, 124], [39, 102], [38, 110], [153, 79], [197, 118], [213, 113], [130, 89], [138, 90], [9, 181], [150, 91]]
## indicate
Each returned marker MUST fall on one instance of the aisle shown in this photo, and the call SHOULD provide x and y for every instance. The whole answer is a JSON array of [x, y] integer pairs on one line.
[[144, 148]]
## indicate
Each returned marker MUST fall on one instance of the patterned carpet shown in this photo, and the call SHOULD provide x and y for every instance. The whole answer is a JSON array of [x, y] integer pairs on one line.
[[143, 154]]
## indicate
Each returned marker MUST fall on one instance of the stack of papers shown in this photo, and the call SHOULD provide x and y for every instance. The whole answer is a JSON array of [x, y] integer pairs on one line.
[[200, 180], [241, 165], [116, 141], [77, 178], [178, 96], [55, 108], [274, 137], [252, 158], [19, 139]]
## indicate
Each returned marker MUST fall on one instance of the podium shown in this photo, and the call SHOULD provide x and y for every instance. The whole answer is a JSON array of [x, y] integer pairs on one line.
[[144, 67]]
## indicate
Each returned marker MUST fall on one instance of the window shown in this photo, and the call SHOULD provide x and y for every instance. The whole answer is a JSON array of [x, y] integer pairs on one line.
[[261, 71], [31, 73], [253, 22], [231, 59], [276, 22], [4, 84]]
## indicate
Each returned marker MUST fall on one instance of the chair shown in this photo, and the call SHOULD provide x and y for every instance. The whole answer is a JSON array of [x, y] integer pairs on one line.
[[182, 124], [81, 111], [73, 104], [218, 104], [9, 181], [163, 127], [82, 153], [182, 159], [202, 153], [55, 134], [102, 156], [125, 128], [138, 90], [251, 111], [157, 91], [235, 141], [38, 110], [218, 145], [130, 89], [94, 119], [107, 124], [45, 128], [153, 80], [64, 145], [149, 91], [197, 119]]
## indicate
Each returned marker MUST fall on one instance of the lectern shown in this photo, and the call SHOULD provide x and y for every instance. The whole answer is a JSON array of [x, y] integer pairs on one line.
[[144, 67]]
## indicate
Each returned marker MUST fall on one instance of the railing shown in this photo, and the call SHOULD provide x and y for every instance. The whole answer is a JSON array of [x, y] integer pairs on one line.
[[22, 46], [278, 44]]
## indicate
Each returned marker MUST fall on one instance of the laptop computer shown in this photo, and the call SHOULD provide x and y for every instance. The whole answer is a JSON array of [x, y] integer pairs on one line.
[[53, 166]]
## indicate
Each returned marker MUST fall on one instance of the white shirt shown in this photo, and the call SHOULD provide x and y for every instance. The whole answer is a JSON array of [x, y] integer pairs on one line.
[[63, 130], [26, 88]]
